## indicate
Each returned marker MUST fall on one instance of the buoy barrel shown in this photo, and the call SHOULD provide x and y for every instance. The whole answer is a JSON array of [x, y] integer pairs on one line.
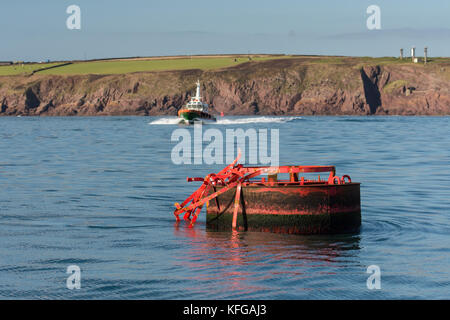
[[307, 209], [236, 200]]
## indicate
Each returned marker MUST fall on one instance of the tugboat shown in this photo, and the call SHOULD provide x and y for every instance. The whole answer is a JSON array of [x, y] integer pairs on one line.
[[196, 110]]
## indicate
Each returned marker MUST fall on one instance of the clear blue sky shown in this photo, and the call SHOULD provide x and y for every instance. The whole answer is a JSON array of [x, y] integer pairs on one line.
[[36, 30]]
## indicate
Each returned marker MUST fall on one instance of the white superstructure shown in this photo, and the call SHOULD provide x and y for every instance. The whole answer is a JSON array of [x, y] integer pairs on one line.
[[196, 101]]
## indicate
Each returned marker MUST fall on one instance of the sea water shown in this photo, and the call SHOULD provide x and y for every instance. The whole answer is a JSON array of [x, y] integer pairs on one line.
[[98, 193]]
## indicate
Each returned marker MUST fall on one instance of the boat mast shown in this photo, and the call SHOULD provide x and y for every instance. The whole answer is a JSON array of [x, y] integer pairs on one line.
[[197, 95]]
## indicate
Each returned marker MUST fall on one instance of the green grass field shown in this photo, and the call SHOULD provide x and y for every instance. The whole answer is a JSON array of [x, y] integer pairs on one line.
[[128, 66], [122, 66], [17, 69]]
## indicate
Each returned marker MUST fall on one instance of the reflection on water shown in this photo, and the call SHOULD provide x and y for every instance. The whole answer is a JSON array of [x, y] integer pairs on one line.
[[235, 261]]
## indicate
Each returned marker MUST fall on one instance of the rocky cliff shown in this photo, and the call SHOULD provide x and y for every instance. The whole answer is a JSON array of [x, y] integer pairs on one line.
[[294, 86]]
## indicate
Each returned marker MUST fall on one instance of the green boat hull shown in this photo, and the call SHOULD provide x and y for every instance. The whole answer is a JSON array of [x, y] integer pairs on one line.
[[192, 116]]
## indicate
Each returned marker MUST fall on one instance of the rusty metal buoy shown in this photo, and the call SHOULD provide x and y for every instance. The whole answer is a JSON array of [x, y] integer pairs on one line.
[[235, 200]]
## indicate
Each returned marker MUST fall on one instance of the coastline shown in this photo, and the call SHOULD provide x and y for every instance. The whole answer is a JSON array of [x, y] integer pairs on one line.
[[295, 86]]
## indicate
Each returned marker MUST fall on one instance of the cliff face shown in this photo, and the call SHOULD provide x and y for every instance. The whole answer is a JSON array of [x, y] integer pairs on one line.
[[294, 86]]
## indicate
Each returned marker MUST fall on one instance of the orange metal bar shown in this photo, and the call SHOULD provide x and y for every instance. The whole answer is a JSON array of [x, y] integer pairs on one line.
[[289, 169], [236, 205]]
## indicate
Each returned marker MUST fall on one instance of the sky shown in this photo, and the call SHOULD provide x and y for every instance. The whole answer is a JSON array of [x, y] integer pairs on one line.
[[36, 30]]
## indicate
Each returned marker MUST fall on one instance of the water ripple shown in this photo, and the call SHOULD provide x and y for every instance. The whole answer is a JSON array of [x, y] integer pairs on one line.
[[99, 193]]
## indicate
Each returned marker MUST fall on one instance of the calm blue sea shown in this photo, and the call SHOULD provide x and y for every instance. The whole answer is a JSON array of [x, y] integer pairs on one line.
[[98, 193]]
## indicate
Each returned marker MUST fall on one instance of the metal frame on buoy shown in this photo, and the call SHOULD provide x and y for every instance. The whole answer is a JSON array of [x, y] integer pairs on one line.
[[297, 205]]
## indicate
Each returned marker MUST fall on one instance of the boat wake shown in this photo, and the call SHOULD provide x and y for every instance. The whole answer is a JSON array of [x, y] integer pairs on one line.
[[250, 120], [230, 120]]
